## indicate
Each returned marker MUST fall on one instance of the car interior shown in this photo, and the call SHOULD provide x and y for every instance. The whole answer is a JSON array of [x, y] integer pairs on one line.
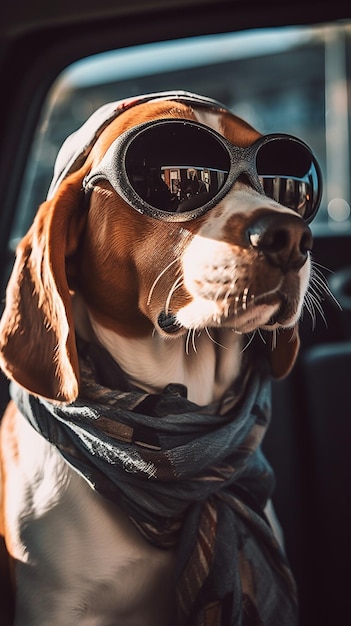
[[283, 68]]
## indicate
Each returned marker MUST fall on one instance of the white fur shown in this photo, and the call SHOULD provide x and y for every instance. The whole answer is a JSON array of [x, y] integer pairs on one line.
[[85, 564], [207, 367]]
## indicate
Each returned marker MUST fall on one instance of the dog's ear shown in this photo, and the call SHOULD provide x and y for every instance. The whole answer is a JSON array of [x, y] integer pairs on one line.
[[283, 354], [37, 341]]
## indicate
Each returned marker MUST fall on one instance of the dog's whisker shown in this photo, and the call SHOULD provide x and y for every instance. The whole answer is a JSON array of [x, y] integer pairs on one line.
[[217, 343], [159, 278], [190, 340], [322, 286], [187, 341], [261, 335], [274, 336], [218, 293], [193, 340], [318, 267], [249, 342], [318, 278], [244, 299], [236, 300], [313, 305], [316, 303], [318, 289], [226, 303], [177, 283], [308, 305], [294, 334]]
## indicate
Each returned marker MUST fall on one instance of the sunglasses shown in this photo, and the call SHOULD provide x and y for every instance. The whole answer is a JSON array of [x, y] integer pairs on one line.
[[177, 170]]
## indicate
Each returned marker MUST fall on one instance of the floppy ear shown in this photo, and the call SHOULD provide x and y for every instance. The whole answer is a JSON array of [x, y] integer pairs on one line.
[[283, 355], [37, 340]]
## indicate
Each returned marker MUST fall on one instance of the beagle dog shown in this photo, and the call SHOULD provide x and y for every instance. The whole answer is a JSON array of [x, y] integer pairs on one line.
[[175, 242]]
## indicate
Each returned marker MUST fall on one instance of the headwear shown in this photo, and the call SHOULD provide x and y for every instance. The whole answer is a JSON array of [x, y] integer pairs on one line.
[[77, 146]]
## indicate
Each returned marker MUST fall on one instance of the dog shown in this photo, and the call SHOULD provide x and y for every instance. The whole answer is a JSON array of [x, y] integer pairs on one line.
[[133, 273]]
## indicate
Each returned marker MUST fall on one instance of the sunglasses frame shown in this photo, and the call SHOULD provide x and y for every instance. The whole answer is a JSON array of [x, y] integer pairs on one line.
[[242, 161]]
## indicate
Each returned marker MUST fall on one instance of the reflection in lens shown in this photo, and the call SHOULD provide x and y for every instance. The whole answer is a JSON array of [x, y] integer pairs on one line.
[[176, 167], [191, 187], [289, 175], [178, 188], [293, 193]]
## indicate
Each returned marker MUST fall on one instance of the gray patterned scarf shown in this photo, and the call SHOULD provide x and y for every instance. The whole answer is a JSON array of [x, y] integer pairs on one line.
[[186, 475]]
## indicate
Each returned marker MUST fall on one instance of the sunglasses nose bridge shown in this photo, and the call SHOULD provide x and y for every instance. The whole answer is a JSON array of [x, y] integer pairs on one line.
[[245, 166]]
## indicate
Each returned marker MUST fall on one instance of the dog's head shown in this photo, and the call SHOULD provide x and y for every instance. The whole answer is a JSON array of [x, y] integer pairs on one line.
[[164, 220]]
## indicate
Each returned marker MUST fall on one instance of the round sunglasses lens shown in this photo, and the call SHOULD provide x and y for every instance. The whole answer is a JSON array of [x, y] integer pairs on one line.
[[289, 175], [176, 167]]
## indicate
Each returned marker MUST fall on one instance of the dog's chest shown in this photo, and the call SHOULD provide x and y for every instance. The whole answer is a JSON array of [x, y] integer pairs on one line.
[[80, 560]]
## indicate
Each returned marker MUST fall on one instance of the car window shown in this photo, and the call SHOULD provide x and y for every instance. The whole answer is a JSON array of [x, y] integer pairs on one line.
[[291, 80]]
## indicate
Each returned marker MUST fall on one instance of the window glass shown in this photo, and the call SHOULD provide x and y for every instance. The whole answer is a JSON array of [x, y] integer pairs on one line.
[[292, 80]]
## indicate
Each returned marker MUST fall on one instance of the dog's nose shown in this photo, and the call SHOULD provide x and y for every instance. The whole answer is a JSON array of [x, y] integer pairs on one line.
[[284, 239]]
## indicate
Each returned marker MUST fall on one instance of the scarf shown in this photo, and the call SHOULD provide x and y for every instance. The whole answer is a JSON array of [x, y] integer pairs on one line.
[[186, 475]]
